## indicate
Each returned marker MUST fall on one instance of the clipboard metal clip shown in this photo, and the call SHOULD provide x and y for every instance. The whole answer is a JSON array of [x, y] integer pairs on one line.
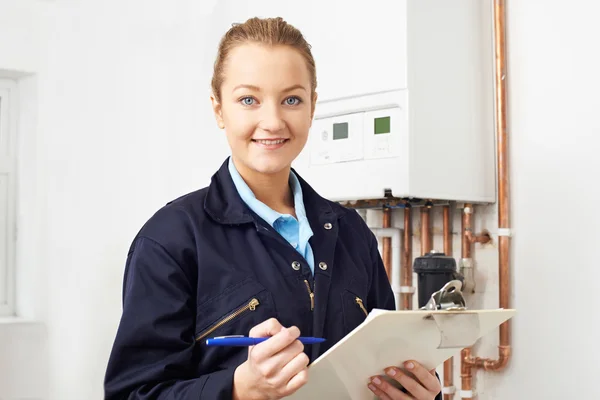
[[448, 298]]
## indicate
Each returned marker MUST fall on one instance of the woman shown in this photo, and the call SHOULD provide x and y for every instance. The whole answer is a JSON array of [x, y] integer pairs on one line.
[[256, 253]]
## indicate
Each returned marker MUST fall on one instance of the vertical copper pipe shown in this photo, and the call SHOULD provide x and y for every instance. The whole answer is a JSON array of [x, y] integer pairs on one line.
[[504, 347], [466, 373], [387, 243], [448, 364], [503, 192], [503, 177], [466, 230], [407, 274], [447, 231], [425, 230], [466, 376]]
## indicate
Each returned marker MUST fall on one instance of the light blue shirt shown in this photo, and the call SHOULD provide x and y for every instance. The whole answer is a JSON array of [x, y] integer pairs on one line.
[[296, 231]]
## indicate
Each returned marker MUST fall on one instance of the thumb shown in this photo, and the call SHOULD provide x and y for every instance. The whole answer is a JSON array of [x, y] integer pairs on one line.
[[267, 328]]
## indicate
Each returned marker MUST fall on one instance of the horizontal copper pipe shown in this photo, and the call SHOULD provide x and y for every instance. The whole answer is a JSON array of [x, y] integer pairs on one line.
[[492, 364], [482, 238]]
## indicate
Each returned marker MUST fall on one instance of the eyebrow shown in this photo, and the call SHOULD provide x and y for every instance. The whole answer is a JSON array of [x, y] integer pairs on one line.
[[257, 89]]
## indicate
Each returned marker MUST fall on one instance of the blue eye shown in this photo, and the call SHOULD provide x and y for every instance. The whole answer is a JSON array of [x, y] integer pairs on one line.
[[247, 101], [292, 101]]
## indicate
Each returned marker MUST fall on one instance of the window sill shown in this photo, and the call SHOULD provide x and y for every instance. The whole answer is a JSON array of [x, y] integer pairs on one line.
[[13, 320]]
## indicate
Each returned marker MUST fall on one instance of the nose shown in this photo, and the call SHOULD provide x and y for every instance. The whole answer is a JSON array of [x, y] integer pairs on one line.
[[271, 118]]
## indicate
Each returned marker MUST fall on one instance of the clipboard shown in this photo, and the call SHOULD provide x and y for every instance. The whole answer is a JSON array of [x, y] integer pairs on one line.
[[430, 335]]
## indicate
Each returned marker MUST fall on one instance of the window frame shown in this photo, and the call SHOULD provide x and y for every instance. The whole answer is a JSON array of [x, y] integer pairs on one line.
[[8, 166]]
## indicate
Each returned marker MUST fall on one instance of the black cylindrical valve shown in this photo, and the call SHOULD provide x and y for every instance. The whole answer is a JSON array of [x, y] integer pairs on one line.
[[434, 270]]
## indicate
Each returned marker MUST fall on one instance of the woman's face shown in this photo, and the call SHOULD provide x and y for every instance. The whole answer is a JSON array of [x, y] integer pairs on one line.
[[266, 107]]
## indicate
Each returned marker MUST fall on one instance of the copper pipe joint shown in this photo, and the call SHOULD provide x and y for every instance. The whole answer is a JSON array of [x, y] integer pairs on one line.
[[465, 370], [482, 238], [489, 364], [466, 364]]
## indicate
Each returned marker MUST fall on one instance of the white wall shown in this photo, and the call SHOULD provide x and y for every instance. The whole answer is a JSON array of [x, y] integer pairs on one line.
[[24, 343], [555, 138], [123, 124]]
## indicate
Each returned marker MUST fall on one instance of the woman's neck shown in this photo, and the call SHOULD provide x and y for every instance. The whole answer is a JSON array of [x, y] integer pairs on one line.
[[271, 189]]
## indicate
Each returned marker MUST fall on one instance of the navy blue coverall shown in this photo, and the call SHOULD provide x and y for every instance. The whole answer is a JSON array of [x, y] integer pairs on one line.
[[205, 265]]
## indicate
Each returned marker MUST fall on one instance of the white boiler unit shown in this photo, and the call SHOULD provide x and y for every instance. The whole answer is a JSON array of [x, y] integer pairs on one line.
[[424, 127]]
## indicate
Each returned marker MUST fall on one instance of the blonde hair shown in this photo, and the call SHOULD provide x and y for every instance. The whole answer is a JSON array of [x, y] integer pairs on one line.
[[266, 31]]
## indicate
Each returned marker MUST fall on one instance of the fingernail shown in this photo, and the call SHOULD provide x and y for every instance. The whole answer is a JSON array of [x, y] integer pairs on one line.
[[391, 372], [376, 381], [372, 388], [410, 365]]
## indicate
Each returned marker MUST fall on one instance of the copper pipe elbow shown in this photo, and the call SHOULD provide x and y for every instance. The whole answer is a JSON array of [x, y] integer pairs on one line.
[[489, 364], [482, 238]]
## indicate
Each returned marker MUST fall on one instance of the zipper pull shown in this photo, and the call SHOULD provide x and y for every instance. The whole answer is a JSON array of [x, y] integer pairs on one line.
[[250, 306], [311, 295], [253, 304], [361, 305]]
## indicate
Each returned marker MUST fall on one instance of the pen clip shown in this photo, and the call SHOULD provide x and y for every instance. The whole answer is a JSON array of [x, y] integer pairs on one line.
[[227, 337]]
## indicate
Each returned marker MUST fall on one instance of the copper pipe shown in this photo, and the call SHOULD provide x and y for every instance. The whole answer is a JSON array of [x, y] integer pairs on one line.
[[466, 227], [466, 376], [466, 371], [482, 238], [407, 274], [375, 203], [504, 348], [447, 231], [503, 187], [387, 243], [448, 364], [425, 230]]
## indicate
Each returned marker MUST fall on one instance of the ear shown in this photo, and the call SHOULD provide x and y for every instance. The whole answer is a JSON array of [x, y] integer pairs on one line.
[[218, 110]]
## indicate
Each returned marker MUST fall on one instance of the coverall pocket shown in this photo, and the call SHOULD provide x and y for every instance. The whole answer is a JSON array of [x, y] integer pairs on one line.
[[355, 308], [235, 311]]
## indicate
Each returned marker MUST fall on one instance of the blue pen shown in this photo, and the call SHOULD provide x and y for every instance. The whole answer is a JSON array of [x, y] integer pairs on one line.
[[251, 341]]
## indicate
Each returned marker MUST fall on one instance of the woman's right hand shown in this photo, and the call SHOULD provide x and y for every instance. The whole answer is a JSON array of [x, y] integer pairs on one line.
[[275, 368]]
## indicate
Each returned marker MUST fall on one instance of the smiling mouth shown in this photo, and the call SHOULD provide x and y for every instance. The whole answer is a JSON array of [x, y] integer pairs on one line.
[[269, 142]]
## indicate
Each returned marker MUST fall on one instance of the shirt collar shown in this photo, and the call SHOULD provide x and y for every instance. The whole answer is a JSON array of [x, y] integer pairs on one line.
[[298, 197], [224, 204], [260, 208]]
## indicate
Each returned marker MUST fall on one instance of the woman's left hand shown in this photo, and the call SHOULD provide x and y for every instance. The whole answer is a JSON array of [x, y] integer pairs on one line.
[[423, 386]]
